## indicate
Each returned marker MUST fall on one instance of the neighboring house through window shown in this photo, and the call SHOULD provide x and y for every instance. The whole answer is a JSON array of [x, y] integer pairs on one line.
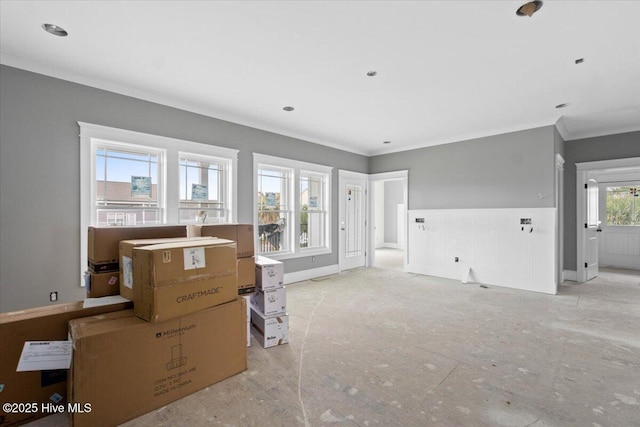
[[292, 201]]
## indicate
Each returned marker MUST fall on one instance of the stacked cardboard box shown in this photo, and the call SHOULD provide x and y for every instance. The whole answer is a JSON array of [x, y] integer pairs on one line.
[[125, 367], [187, 330], [102, 278], [39, 387], [242, 234], [269, 318]]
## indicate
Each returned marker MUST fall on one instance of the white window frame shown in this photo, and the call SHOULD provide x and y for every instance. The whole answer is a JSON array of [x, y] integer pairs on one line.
[[295, 251], [92, 135]]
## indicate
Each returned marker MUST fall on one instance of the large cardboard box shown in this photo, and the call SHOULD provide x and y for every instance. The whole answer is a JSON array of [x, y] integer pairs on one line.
[[272, 302], [242, 234], [102, 284], [102, 251], [270, 331], [246, 275], [48, 323], [174, 279], [126, 259], [126, 367], [269, 273]]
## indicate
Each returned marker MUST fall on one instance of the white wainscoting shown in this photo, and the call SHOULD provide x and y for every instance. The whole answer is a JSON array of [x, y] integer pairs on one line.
[[619, 247], [489, 242]]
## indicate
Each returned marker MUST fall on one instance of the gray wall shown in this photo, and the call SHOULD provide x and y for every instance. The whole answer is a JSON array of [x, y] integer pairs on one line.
[[392, 197], [608, 147], [40, 175], [502, 171]]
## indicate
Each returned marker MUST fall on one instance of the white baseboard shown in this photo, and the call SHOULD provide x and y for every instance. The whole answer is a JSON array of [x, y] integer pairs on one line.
[[570, 275], [299, 276], [391, 246]]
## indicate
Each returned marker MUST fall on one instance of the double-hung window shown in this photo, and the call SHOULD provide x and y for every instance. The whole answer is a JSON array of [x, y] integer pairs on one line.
[[136, 179], [292, 207]]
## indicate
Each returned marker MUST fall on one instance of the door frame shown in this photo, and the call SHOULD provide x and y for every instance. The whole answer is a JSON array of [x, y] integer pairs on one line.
[[342, 175], [401, 175], [584, 171]]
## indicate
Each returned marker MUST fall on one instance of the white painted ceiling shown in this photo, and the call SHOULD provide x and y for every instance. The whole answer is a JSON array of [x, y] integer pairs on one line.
[[447, 70]]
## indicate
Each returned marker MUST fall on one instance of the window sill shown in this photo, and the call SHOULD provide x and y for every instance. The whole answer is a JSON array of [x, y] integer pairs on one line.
[[292, 255]]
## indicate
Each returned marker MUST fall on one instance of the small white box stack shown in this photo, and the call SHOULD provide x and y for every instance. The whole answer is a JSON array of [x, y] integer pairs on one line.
[[269, 318]]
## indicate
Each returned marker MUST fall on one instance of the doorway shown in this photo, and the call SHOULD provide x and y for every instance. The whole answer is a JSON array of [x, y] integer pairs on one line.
[[589, 224], [389, 219]]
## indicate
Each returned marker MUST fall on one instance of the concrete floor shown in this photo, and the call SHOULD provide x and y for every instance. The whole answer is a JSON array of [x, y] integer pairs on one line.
[[374, 347]]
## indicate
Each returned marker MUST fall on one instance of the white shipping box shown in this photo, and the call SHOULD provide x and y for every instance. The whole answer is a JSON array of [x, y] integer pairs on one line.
[[269, 273], [272, 302], [270, 331]]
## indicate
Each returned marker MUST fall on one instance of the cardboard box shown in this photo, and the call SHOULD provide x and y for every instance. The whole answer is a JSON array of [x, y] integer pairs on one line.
[[175, 279], [126, 367], [102, 284], [102, 251], [48, 323], [246, 275], [272, 302], [270, 331], [126, 259], [269, 273], [242, 234]]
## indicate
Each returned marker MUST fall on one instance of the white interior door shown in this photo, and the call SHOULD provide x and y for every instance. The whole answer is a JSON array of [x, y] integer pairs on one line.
[[591, 230], [353, 215]]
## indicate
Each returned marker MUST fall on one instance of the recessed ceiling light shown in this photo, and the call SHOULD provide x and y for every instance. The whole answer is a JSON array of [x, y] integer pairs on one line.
[[579, 60], [529, 9], [563, 105], [55, 30], [372, 73], [288, 108], [386, 142]]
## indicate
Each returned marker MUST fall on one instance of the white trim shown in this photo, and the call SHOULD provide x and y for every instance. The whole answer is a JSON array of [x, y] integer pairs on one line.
[[300, 276], [559, 161], [583, 171], [291, 164], [391, 246], [570, 275], [400, 175], [561, 126], [296, 167], [629, 162], [92, 134]]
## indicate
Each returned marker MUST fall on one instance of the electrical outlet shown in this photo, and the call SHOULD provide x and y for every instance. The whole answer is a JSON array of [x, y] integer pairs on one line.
[[457, 259], [53, 296]]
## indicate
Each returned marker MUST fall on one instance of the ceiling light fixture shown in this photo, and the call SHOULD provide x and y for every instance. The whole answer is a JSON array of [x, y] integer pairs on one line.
[[372, 73], [529, 9], [55, 30], [563, 105], [386, 142], [288, 108], [579, 60]]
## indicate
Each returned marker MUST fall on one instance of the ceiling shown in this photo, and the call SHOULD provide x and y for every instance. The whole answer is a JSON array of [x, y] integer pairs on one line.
[[446, 70]]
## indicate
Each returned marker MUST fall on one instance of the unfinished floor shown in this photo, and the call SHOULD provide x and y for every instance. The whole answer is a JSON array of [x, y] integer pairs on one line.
[[374, 347]]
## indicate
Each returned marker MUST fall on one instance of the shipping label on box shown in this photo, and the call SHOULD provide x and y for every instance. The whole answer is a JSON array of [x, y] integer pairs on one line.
[[269, 273], [126, 259], [174, 279], [41, 387], [270, 331], [170, 360], [102, 284], [270, 302]]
